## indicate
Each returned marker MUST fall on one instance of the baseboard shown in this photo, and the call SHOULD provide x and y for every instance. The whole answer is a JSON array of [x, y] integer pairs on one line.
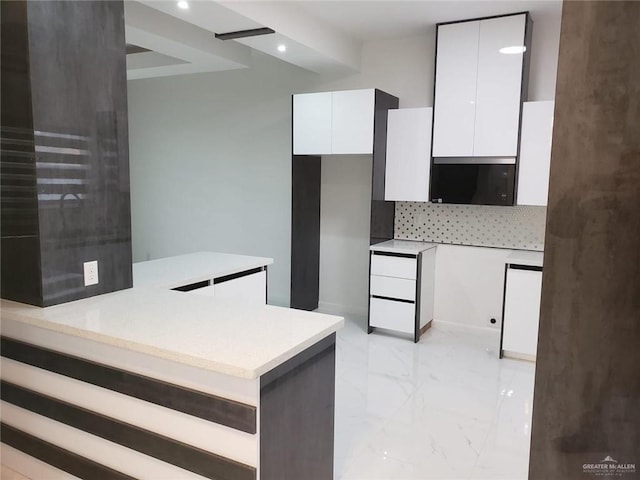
[[446, 323], [518, 356], [279, 302]]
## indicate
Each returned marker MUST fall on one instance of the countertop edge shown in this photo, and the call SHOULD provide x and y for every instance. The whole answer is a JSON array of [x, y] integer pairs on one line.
[[185, 359]]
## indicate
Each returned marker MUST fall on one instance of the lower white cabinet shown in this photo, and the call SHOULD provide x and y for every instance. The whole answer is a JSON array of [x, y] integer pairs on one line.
[[401, 291], [521, 311], [249, 289]]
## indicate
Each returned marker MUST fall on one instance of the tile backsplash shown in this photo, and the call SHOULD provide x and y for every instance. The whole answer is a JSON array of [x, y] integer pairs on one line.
[[519, 227]]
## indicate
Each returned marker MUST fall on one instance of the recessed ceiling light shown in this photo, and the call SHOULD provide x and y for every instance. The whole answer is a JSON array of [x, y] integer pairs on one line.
[[282, 48], [513, 49], [183, 5]]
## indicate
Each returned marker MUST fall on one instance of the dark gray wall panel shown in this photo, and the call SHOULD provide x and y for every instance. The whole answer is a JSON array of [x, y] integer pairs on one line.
[[19, 202], [382, 212], [305, 231], [297, 404], [77, 80], [587, 389]]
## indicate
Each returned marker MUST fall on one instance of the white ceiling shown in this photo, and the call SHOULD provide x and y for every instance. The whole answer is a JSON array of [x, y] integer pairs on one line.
[[321, 36]]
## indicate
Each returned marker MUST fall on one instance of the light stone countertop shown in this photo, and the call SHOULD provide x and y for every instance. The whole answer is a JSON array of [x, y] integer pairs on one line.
[[220, 335], [191, 268], [410, 247], [214, 334], [529, 258]]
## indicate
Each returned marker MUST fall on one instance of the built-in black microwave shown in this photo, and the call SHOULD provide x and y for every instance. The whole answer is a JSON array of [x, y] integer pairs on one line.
[[468, 181]]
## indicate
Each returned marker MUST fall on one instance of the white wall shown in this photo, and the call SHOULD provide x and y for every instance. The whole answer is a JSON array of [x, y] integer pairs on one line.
[[210, 156], [344, 233], [211, 165], [469, 285]]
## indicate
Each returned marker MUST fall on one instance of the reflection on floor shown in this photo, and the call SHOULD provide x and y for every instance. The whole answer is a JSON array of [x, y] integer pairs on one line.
[[445, 408]]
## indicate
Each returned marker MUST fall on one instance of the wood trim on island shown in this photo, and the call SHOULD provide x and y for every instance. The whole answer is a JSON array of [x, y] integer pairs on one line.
[[199, 404], [57, 457], [168, 450]]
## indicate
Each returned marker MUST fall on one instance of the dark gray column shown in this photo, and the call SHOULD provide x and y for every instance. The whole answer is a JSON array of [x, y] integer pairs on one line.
[[65, 160], [587, 392]]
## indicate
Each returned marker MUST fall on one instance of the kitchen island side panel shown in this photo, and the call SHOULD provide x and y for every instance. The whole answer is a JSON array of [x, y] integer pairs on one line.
[[297, 405]]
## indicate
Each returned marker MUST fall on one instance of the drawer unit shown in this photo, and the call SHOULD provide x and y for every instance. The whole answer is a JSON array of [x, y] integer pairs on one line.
[[391, 287], [401, 289], [392, 314], [394, 266]]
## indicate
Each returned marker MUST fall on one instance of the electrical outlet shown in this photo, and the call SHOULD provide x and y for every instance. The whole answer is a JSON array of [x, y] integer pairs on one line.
[[90, 273]]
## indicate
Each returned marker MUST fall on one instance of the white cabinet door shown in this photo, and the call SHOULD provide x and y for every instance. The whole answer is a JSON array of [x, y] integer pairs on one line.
[[208, 291], [392, 314], [352, 122], [408, 154], [521, 311], [250, 289], [312, 123], [535, 153], [455, 96], [499, 87]]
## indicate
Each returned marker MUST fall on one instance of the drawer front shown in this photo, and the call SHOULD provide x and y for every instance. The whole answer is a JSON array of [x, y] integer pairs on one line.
[[393, 287], [387, 266], [393, 315]]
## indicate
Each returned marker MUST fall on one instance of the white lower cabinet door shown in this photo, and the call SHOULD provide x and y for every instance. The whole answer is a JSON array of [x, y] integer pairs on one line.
[[250, 289], [204, 291], [392, 314], [521, 311]]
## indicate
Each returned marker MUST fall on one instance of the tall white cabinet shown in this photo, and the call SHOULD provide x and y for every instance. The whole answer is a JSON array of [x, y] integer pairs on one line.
[[479, 87], [408, 154], [333, 122], [535, 153]]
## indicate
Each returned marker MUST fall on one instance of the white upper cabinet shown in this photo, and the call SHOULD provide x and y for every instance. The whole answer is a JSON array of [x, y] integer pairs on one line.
[[312, 123], [456, 78], [333, 122], [408, 154], [535, 153], [479, 87], [499, 87], [352, 122]]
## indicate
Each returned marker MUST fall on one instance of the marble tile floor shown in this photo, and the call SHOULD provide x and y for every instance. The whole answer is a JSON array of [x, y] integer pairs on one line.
[[445, 408]]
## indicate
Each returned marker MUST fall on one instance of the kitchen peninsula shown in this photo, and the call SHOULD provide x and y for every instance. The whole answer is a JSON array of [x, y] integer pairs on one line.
[[154, 383]]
